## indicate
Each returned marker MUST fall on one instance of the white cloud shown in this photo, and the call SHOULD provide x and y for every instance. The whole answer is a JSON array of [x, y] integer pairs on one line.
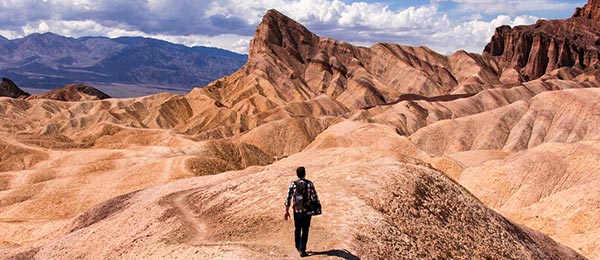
[[9, 34], [331, 13], [473, 35], [232, 42]]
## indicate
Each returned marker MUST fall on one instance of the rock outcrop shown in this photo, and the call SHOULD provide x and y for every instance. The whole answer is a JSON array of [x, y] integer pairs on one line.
[[527, 52], [590, 11], [10, 89], [288, 63], [73, 92]]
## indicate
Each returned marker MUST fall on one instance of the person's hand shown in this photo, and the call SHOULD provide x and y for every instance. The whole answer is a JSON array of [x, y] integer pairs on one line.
[[286, 216]]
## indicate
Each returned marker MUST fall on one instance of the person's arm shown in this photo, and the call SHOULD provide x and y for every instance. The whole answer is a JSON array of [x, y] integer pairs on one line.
[[314, 196], [288, 201]]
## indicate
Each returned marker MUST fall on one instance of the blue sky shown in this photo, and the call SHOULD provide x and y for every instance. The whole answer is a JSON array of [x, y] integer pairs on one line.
[[443, 25]]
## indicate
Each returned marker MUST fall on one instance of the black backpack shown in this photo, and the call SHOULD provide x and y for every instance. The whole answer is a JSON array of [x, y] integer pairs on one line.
[[300, 195], [303, 202]]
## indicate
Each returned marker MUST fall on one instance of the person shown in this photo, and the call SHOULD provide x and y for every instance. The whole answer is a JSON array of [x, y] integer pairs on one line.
[[301, 219]]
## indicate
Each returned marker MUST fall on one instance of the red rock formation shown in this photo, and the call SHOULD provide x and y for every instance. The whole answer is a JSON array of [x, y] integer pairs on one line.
[[288, 63], [545, 46], [10, 89], [590, 11]]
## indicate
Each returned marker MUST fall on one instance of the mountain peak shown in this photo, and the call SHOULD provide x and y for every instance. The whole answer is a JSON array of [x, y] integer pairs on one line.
[[273, 13], [590, 11], [277, 33], [46, 35]]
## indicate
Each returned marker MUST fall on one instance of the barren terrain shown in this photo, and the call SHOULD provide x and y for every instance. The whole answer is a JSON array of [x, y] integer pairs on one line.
[[415, 155]]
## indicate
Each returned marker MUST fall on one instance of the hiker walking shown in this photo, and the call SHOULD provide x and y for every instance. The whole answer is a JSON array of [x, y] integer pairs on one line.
[[303, 192]]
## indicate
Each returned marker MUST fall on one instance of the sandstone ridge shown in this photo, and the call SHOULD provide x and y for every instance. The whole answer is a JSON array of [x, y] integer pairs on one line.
[[288, 63], [529, 52], [590, 11], [73, 92]]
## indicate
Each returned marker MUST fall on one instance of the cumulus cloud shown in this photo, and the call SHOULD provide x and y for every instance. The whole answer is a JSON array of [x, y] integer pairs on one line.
[[473, 35], [329, 14], [151, 16], [237, 43], [230, 24]]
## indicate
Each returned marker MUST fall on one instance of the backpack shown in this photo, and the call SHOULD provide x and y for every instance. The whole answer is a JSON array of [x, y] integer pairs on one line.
[[300, 195]]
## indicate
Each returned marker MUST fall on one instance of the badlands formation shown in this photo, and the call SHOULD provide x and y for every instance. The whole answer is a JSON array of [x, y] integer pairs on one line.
[[73, 92], [415, 155]]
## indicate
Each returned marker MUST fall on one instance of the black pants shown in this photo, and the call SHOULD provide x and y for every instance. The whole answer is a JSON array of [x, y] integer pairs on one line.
[[302, 224]]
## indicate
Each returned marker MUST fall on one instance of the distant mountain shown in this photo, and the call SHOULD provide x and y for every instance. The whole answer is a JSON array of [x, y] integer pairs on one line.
[[120, 66]]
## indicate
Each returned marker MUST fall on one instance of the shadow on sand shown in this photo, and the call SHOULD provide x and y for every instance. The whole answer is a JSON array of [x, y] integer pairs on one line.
[[344, 254]]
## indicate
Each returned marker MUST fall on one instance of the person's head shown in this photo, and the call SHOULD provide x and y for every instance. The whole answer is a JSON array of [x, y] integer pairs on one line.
[[301, 172]]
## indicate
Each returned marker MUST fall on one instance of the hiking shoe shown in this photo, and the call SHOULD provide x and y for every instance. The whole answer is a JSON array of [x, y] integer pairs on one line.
[[303, 253]]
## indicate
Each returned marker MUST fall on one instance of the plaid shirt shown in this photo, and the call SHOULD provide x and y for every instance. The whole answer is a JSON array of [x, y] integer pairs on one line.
[[310, 189]]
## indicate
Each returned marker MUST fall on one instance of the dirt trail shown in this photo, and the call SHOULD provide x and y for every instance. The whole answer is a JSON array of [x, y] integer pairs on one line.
[[280, 246], [187, 216]]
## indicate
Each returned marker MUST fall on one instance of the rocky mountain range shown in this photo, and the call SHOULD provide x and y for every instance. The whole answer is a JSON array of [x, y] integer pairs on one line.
[[415, 155], [123, 67]]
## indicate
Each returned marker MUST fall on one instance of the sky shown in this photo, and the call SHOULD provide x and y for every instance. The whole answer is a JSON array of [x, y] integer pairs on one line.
[[442, 25]]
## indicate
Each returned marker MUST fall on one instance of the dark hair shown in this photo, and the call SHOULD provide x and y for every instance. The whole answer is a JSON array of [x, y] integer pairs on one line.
[[301, 172]]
